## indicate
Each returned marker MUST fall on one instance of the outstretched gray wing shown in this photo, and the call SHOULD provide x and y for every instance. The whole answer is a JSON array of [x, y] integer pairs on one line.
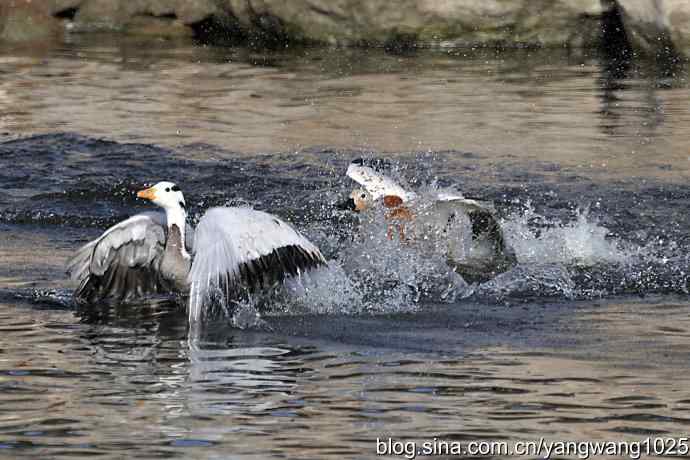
[[123, 263], [239, 248]]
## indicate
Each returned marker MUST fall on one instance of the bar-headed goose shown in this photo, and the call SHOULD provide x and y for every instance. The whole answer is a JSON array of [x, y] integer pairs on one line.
[[233, 248]]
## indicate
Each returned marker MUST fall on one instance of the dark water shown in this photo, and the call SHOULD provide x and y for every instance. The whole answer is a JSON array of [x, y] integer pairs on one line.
[[586, 339]]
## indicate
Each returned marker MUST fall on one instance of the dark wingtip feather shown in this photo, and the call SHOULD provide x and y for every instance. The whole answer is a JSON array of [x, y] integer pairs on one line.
[[274, 267], [120, 284]]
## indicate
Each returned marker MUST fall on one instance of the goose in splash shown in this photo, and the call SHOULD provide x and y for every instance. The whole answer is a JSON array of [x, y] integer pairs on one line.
[[234, 249], [479, 257]]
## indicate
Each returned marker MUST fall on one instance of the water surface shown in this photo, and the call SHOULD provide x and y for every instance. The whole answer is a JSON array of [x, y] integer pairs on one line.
[[587, 161]]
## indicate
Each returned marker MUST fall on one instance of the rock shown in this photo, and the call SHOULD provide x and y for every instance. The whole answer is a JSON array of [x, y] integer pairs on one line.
[[651, 25], [533, 22], [104, 14], [145, 17], [61, 6], [679, 22], [658, 27], [158, 27], [27, 21], [644, 23], [194, 11]]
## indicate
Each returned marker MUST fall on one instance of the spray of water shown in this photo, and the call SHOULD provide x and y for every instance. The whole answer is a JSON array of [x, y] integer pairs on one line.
[[582, 241], [372, 273]]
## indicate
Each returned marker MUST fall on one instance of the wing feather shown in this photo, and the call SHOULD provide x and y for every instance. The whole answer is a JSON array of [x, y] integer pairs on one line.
[[485, 224], [481, 214], [376, 183], [123, 262], [241, 248]]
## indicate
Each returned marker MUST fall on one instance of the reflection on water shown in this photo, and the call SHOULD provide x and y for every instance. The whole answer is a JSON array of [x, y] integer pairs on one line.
[[580, 112], [135, 386]]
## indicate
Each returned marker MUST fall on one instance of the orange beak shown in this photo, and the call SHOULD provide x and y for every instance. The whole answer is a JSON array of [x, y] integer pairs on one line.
[[148, 194]]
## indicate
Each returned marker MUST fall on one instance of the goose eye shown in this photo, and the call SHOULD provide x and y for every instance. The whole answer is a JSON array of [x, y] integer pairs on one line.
[[364, 195], [167, 189]]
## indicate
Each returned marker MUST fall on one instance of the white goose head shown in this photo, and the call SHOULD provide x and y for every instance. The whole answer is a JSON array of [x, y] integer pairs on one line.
[[167, 195]]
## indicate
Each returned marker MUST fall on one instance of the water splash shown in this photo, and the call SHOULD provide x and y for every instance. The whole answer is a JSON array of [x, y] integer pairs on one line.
[[324, 290], [537, 239], [529, 281], [557, 258]]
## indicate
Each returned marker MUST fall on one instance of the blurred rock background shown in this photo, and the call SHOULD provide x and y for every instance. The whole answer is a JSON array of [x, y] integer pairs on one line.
[[656, 27]]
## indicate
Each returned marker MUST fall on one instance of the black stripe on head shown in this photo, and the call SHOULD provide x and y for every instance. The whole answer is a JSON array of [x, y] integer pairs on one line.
[[175, 188], [181, 203]]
